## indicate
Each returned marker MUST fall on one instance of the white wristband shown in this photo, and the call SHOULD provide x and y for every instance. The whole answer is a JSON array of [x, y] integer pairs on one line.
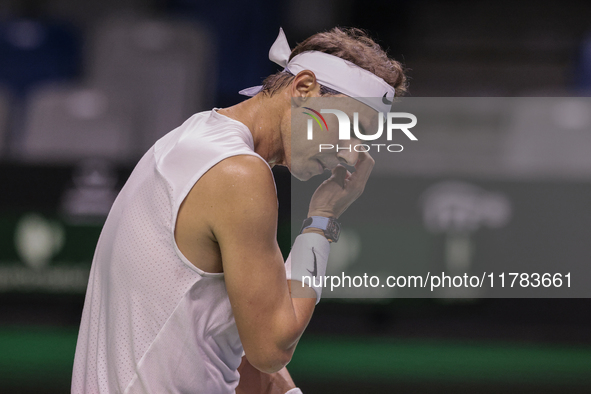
[[307, 261], [295, 390]]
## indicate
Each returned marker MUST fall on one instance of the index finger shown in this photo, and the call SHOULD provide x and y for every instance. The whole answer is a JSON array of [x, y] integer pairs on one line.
[[363, 168]]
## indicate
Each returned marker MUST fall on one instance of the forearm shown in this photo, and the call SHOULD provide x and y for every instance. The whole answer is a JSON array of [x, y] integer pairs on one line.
[[285, 310], [278, 336], [302, 305], [253, 381], [269, 320]]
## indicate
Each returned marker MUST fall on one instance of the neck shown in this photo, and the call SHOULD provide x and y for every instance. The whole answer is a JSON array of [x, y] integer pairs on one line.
[[263, 116]]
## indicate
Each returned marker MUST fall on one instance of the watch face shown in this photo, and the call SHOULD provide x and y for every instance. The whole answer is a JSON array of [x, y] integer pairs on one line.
[[331, 227], [333, 230]]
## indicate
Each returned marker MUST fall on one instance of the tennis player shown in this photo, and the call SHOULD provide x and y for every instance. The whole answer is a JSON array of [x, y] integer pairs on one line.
[[187, 276]]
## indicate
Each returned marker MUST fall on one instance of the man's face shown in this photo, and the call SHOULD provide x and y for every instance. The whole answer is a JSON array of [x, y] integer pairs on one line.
[[306, 158]]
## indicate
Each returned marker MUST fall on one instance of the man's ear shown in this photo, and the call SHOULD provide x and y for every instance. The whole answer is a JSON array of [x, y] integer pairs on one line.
[[303, 86]]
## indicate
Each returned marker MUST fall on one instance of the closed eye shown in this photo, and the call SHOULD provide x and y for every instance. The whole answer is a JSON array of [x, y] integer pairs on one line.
[[361, 129]]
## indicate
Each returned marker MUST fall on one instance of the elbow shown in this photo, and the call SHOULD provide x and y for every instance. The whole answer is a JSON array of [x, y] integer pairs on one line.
[[270, 361]]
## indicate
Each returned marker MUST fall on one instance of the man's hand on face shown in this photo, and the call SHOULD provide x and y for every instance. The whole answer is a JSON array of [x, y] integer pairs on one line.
[[339, 191]]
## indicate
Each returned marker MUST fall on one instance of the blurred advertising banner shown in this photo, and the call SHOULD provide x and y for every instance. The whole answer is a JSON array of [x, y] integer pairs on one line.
[[50, 220], [469, 197]]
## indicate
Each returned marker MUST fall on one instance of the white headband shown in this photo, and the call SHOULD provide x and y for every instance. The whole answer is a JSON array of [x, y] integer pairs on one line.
[[334, 73]]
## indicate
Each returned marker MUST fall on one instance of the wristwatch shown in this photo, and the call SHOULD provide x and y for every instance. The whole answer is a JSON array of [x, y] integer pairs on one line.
[[331, 228]]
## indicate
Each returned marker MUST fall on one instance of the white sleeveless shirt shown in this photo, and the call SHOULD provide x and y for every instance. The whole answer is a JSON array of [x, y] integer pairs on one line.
[[152, 321]]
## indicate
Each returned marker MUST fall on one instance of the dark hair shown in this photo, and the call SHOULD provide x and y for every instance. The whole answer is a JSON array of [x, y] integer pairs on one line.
[[351, 44]]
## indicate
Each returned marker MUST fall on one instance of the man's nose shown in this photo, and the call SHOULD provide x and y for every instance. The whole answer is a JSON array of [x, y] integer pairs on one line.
[[347, 152]]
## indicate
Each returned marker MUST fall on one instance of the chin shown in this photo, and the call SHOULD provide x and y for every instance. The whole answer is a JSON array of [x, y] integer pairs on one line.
[[301, 174], [303, 177], [304, 170]]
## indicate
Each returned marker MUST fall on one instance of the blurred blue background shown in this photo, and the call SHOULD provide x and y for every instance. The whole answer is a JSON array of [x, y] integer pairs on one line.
[[87, 87]]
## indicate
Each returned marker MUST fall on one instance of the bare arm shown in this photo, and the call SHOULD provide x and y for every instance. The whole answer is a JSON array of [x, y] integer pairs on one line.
[[242, 215], [253, 381]]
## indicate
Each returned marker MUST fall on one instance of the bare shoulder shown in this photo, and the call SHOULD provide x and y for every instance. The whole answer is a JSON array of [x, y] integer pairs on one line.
[[233, 194], [242, 202], [242, 166], [239, 186], [240, 174]]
